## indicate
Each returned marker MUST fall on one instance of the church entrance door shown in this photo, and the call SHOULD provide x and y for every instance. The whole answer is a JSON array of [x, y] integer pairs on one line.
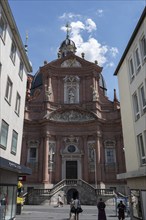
[[71, 170]]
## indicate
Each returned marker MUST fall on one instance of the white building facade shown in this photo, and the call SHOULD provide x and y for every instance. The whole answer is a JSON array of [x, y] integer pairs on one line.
[[131, 72], [14, 66]]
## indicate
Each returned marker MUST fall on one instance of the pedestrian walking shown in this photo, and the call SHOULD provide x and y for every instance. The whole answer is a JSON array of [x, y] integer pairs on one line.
[[71, 214], [101, 210], [121, 211], [60, 202], [75, 209]]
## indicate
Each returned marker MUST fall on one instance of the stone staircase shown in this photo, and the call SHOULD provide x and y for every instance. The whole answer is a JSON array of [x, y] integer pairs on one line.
[[88, 193]]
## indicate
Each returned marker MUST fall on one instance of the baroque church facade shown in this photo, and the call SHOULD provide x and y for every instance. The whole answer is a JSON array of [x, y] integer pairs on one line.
[[72, 131]]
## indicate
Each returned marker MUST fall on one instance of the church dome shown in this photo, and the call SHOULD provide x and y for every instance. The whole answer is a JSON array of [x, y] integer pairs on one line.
[[67, 46], [67, 43]]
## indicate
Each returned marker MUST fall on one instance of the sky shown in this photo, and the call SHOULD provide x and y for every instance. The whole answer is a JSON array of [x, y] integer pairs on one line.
[[100, 28]]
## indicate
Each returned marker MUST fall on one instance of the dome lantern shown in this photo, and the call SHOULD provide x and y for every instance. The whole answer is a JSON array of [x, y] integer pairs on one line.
[[67, 46]]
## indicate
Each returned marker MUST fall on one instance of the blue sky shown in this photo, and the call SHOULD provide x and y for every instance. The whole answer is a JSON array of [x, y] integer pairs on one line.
[[100, 29]]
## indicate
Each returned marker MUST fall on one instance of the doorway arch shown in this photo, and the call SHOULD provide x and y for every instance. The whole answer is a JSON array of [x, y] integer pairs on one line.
[[72, 193]]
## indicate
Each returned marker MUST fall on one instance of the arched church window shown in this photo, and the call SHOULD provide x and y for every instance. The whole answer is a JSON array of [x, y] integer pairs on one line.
[[71, 89], [110, 154], [32, 156]]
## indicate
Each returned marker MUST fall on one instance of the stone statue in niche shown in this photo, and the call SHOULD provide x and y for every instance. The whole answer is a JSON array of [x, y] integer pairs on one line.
[[71, 96], [48, 93], [91, 152], [95, 93]]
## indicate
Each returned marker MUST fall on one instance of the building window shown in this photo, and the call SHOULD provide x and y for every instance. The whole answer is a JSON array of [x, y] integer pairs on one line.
[[110, 157], [71, 89], [17, 106], [21, 67], [4, 134], [14, 142], [143, 47], [142, 98], [137, 59], [8, 90], [142, 150], [131, 69], [32, 155], [13, 51], [3, 26], [136, 107]]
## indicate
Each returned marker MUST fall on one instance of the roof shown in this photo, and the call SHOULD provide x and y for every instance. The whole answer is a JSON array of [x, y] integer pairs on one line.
[[15, 32], [143, 15]]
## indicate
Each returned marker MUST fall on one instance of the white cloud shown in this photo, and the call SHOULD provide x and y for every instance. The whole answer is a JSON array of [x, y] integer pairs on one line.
[[100, 12], [114, 51], [92, 48], [69, 15], [90, 25], [93, 51], [76, 27], [110, 64]]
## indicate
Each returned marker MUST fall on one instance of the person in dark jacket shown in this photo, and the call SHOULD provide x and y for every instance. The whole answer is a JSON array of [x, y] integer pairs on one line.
[[121, 212], [101, 210]]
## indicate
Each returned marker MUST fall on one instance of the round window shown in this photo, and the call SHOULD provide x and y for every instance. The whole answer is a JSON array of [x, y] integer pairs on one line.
[[71, 148]]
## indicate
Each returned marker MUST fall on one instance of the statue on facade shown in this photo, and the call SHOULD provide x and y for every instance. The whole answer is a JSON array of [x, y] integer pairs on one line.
[[71, 96], [95, 93], [48, 93]]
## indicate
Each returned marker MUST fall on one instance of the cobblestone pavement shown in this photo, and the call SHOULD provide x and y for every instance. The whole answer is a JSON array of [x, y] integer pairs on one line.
[[48, 212]]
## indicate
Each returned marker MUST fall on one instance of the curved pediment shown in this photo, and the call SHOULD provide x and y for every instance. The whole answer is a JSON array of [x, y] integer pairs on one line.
[[71, 116], [72, 62]]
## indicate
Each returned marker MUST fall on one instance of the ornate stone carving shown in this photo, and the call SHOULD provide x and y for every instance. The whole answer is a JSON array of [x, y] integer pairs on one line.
[[95, 94], [70, 116], [48, 93], [71, 63], [71, 140], [91, 147]]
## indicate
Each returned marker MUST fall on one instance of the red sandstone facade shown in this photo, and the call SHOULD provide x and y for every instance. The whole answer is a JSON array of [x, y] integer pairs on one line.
[[71, 129]]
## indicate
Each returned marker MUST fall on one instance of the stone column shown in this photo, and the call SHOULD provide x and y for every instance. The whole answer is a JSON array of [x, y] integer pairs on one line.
[[58, 160], [85, 167], [40, 160], [98, 158], [45, 160]]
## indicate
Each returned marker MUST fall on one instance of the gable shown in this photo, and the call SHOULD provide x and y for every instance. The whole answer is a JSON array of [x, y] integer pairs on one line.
[[72, 62]]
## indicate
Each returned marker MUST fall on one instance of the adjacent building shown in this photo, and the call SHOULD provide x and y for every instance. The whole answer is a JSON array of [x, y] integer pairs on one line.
[[131, 73], [14, 66], [72, 137]]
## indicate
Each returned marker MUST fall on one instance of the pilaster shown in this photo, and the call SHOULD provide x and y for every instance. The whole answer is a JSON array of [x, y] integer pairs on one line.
[[85, 162], [45, 164]]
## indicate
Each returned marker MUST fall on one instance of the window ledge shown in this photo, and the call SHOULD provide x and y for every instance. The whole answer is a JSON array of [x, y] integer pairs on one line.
[[3, 147], [17, 113], [14, 153], [8, 101]]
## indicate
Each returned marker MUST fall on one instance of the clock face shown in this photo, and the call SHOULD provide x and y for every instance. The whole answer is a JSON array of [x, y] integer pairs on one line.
[[71, 148]]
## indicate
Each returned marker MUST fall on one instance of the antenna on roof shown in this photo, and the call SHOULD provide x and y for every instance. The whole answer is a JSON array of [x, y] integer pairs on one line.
[[26, 41]]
